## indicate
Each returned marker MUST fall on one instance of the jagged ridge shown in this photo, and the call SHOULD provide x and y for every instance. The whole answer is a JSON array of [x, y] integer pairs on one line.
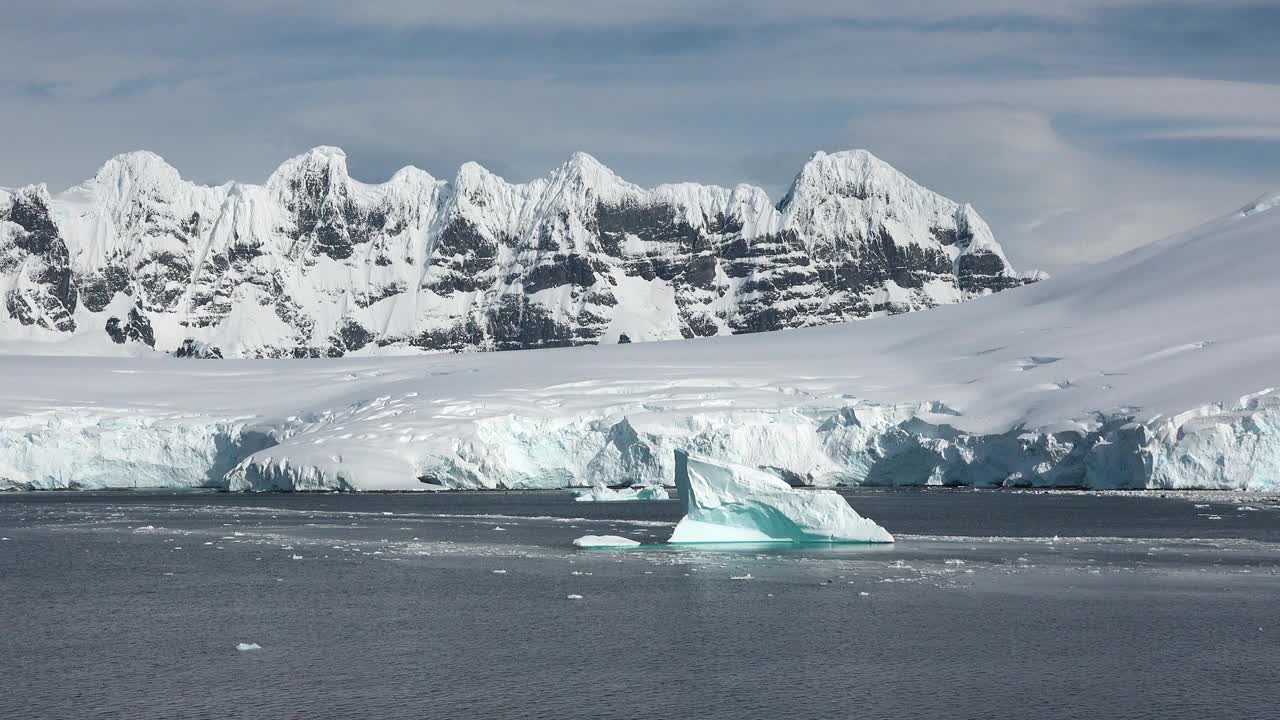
[[315, 263]]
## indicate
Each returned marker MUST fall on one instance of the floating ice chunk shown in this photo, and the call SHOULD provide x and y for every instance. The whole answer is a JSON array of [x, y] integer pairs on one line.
[[572, 597], [246, 647], [498, 572], [604, 541], [725, 503], [297, 557], [602, 493], [145, 528], [748, 576]]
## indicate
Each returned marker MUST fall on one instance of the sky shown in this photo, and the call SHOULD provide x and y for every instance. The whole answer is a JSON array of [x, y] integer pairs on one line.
[[1079, 129]]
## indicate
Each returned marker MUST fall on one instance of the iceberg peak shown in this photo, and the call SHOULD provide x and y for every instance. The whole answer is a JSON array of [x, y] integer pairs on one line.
[[727, 503]]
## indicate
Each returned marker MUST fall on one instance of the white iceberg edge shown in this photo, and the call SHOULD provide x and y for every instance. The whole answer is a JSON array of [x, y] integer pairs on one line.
[[600, 492], [605, 541], [727, 503]]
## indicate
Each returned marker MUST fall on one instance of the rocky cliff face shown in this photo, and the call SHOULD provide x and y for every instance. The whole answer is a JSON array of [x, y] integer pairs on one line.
[[314, 263]]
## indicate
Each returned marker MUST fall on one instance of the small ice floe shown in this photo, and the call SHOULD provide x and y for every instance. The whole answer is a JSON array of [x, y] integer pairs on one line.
[[498, 527], [247, 647], [742, 577], [953, 562], [498, 572], [602, 493], [572, 597], [1212, 517], [604, 541], [1201, 506], [864, 593], [145, 528], [388, 513], [297, 557]]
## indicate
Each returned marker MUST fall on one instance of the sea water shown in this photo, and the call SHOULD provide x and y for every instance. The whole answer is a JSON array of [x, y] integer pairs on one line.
[[455, 605]]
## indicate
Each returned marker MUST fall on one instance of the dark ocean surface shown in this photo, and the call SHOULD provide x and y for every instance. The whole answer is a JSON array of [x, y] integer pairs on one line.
[[455, 605]]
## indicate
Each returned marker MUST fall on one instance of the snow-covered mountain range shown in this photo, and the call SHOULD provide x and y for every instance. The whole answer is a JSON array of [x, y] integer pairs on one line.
[[1157, 370], [314, 263]]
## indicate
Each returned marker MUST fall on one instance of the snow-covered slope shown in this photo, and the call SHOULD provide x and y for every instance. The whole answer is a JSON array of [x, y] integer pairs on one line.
[[1157, 370], [314, 263]]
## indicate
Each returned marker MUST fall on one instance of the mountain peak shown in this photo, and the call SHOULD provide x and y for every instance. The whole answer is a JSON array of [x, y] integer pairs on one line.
[[323, 167], [848, 163], [850, 174], [585, 171], [472, 173], [134, 166], [577, 256], [581, 162], [328, 151]]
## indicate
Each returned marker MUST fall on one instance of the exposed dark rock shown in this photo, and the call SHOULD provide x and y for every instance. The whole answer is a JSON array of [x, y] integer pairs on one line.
[[49, 298], [484, 266], [192, 348], [137, 328]]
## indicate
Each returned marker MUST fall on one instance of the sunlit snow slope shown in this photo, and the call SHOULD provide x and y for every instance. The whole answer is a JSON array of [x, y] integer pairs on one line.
[[1156, 370]]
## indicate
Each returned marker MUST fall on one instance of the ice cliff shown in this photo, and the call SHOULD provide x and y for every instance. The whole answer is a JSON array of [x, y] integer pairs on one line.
[[1156, 370]]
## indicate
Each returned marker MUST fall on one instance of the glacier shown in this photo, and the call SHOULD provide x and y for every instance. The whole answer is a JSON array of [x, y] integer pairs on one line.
[[1153, 370], [726, 503]]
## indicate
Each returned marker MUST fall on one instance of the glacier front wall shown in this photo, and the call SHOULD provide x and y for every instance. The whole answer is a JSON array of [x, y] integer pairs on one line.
[[1212, 447], [1156, 370]]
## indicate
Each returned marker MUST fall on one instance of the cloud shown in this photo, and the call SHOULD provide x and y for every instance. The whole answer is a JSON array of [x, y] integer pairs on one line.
[[1079, 128]]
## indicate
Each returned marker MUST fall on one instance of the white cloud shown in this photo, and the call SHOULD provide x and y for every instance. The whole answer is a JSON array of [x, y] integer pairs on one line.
[[1052, 203], [975, 109]]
